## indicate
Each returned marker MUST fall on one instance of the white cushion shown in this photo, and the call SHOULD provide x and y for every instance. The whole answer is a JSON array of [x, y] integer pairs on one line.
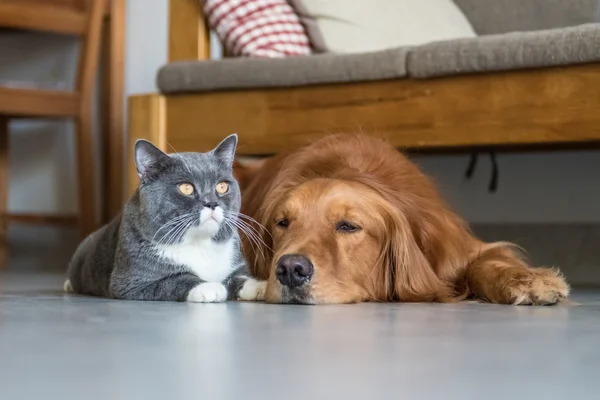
[[344, 26]]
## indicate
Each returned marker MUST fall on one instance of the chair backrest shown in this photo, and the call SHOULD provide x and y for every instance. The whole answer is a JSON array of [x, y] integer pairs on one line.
[[89, 52], [500, 16], [82, 18], [77, 4], [58, 16]]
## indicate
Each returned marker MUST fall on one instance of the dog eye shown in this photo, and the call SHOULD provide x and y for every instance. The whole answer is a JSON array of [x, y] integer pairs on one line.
[[345, 226], [283, 223], [186, 189]]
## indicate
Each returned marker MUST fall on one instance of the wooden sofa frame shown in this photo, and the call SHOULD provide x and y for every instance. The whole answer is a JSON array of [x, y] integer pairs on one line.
[[552, 106]]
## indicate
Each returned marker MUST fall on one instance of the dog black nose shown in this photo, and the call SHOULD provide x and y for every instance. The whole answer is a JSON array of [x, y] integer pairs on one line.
[[211, 204], [293, 270]]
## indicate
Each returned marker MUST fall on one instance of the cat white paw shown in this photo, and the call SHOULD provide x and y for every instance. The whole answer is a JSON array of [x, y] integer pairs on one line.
[[209, 292], [253, 290], [67, 287]]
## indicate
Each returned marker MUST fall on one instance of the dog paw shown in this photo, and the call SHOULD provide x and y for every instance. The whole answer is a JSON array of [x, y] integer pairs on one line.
[[209, 292], [543, 288], [253, 290], [67, 287]]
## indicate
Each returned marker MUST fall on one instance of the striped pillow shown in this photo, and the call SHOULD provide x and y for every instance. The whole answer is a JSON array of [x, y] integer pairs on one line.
[[257, 28]]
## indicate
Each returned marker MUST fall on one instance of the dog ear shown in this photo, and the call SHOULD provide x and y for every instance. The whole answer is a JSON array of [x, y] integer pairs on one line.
[[258, 244], [257, 248], [411, 275], [262, 255]]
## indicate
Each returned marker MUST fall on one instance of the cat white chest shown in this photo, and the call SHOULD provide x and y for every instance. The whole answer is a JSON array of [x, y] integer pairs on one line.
[[212, 262]]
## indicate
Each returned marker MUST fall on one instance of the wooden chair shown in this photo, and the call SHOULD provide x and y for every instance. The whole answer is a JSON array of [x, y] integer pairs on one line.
[[548, 107], [71, 17]]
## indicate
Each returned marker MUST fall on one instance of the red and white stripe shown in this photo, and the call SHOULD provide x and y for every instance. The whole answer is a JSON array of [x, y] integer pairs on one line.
[[257, 28]]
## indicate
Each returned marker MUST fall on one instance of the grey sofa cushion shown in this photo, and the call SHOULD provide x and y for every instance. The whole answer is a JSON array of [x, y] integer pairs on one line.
[[240, 73], [511, 51], [555, 47], [501, 16]]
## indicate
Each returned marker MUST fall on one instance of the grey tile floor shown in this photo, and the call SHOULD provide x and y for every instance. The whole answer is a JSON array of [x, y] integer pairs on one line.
[[54, 346]]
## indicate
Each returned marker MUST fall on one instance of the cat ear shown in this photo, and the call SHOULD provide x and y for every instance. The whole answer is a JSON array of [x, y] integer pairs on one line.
[[225, 151], [146, 156]]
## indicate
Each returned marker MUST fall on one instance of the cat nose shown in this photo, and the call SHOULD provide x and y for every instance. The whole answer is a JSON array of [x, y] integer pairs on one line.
[[211, 204], [293, 270]]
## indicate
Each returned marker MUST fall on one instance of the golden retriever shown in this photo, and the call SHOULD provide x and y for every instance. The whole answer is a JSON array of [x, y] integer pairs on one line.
[[348, 219]]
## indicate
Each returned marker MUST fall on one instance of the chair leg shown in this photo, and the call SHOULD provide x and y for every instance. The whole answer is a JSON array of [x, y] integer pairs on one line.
[[112, 99], [85, 175], [3, 191]]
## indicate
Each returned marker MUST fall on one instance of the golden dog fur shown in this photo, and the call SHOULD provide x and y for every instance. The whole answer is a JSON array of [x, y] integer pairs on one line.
[[404, 243]]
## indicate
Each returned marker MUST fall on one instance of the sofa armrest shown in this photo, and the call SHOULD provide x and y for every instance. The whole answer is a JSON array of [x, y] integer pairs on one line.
[[501, 16], [189, 36]]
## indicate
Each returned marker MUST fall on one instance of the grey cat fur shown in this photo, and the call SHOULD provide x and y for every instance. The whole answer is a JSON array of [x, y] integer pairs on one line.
[[123, 259]]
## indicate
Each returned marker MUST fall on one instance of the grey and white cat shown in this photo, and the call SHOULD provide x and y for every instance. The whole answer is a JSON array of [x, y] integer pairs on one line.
[[176, 239]]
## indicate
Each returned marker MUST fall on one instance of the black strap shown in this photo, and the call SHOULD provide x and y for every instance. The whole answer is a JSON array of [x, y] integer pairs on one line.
[[472, 165], [494, 180], [493, 186]]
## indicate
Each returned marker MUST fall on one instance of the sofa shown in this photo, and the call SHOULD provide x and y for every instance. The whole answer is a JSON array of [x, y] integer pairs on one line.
[[530, 78]]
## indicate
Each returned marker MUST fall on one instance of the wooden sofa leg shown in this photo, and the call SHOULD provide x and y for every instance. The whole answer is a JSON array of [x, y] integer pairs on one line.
[[3, 191], [146, 120]]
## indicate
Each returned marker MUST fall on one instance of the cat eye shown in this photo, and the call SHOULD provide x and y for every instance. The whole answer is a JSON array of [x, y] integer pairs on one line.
[[186, 189], [283, 223], [222, 187], [347, 227]]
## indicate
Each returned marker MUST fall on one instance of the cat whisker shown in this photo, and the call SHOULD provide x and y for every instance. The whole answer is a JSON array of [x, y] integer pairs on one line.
[[176, 153], [253, 237], [248, 229], [256, 247], [234, 227], [244, 230], [171, 234], [179, 231], [164, 239], [233, 224], [176, 219], [259, 255], [171, 222], [249, 218], [184, 230], [246, 224]]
